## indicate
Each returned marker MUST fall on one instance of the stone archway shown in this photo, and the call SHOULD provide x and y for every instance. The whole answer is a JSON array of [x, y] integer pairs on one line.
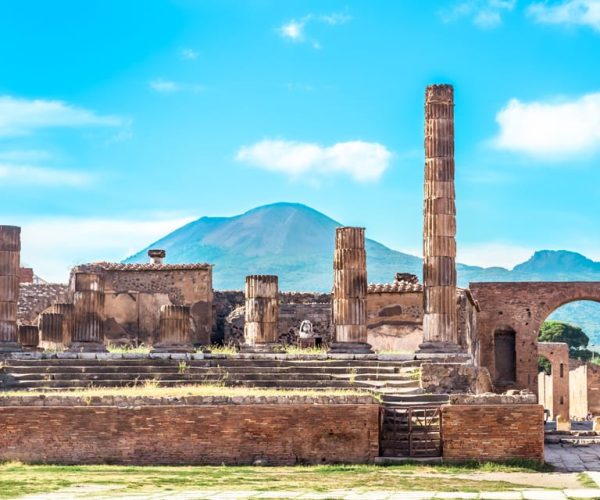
[[523, 306]]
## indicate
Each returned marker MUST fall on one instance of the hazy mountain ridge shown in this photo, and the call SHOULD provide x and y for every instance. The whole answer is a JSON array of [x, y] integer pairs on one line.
[[296, 243]]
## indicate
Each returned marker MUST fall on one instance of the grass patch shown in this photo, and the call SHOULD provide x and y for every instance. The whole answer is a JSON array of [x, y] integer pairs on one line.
[[18, 479], [141, 349], [152, 388]]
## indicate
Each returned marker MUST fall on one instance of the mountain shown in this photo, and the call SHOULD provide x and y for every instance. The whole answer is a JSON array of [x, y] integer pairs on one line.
[[288, 239], [296, 243]]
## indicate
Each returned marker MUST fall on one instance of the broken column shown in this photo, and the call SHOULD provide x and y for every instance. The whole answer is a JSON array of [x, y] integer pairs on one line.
[[28, 337], [67, 311], [10, 250], [440, 332], [350, 291], [88, 312], [175, 331], [51, 331], [261, 331]]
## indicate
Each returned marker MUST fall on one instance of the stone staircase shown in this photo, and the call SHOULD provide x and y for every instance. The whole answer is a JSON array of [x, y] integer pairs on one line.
[[395, 380]]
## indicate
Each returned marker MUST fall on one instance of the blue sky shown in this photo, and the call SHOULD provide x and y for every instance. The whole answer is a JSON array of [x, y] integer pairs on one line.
[[121, 120]]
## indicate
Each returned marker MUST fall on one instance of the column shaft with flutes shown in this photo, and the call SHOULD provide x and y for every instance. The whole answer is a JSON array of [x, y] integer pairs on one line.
[[10, 250], [350, 291], [88, 313], [51, 331], [67, 312], [174, 330], [439, 234], [261, 329], [29, 337]]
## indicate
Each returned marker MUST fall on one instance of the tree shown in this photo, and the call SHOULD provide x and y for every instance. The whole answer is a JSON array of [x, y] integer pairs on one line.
[[573, 336]]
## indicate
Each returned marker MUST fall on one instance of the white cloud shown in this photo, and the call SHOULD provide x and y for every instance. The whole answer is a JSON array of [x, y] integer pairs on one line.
[[550, 129], [363, 161], [483, 13], [188, 54], [493, 254], [31, 175], [22, 116], [295, 29], [166, 86], [53, 245], [570, 12], [171, 87]]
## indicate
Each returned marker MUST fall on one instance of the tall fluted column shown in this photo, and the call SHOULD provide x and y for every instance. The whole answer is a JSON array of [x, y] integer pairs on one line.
[[350, 291], [67, 311], [261, 331], [175, 331], [439, 236], [88, 321], [51, 331], [10, 250]]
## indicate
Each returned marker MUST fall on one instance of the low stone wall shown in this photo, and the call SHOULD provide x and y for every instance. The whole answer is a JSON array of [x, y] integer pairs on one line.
[[145, 434], [445, 378], [495, 432]]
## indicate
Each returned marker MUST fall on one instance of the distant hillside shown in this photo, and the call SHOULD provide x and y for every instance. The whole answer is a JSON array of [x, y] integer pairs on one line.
[[296, 243]]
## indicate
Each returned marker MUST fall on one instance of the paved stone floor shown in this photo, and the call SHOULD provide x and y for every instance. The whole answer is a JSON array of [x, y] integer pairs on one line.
[[569, 458]]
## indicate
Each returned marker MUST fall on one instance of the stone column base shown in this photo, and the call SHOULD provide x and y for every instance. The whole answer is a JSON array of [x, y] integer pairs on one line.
[[8, 347], [350, 348], [264, 348], [173, 348], [87, 347], [439, 347]]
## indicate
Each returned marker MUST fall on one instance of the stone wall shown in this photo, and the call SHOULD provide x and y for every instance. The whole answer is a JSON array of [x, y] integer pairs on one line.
[[294, 307], [578, 389], [493, 432], [447, 378], [35, 298], [522, 307], [278, 434], [593, 388], [394, 320], [134, 294]]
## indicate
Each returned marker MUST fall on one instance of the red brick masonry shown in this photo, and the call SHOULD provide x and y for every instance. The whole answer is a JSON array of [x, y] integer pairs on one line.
[[208, 434], [493, 432]]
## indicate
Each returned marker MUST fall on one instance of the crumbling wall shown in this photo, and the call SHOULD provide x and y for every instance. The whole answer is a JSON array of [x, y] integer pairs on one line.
[[35, 298], [294, 307], [134, 294], [447, 378]]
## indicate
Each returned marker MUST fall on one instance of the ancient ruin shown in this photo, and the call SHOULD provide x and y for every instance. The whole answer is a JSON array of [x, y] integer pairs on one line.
[[450, 365]]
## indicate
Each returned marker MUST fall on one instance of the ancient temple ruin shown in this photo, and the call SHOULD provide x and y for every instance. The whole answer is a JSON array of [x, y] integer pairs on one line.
[[449, 364]]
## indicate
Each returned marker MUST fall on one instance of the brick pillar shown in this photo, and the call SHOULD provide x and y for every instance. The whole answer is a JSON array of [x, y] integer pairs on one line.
[[261, 329], [10, 250], [175, 331], [440, 332], [51, 331], [67, 312], [88, 312], [29, 337], [350, 291]]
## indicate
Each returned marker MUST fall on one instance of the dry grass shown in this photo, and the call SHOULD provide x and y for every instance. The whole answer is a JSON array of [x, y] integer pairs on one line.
[[151, 388]]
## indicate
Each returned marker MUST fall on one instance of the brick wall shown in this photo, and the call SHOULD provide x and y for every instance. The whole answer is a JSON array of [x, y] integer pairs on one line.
[[175, 434], [593, 388], [493, 432]]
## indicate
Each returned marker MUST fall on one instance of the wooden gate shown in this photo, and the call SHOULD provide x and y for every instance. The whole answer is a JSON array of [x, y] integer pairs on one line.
[[410, 431]]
